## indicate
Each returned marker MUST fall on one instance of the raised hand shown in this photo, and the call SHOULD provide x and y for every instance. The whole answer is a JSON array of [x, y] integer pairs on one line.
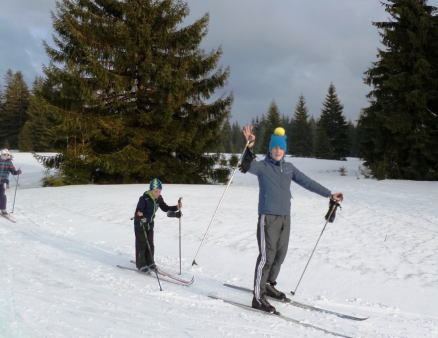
[[249, 136]]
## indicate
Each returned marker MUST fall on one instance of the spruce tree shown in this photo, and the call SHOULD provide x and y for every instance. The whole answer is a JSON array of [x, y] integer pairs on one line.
[[313, 128], [39, 132], [286, 122], [335, 125], [322, 147], [237, 137], [259, 130], [400, 125], [271, 122], [352, 136], [227, 142], [355, 135], [9, 76], [1, 98], [128, 84], [13, 113], [300, 137]]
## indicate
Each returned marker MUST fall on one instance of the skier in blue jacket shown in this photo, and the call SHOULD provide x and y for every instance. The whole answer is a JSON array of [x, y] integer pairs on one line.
[[273, 228], [144, 217]]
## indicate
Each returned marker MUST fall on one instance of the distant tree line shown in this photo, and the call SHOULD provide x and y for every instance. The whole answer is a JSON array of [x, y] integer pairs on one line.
[[25, 125], [328, 137]]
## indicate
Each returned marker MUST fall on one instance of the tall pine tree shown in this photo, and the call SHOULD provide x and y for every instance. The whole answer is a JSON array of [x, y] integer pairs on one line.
[[13, 111], [1, 98], [300, 137], [271, 122], [335, 125], [355, 135], [127, 83], [313, 127], [322, 147], [39, 132], [259, 130], [237, 137], [401, 123], [227, 142]]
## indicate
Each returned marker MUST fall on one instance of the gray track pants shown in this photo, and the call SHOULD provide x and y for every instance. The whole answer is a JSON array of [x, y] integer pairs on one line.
[[273, 239]]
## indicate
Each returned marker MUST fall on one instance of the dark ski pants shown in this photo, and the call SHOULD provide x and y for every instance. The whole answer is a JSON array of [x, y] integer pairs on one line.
[[273, 239], [3, 199], [142, 255]]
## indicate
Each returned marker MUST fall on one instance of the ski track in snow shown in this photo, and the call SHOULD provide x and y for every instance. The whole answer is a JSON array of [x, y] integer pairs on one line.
[[58, 274]]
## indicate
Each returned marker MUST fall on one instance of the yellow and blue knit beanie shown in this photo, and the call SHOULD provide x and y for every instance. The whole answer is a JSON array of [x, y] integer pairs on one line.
[[278, 139], [155, 184]]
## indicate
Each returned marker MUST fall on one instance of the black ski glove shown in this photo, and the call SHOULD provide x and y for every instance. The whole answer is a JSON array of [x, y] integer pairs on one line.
[[176, 214], [332, 206], [246, 162]]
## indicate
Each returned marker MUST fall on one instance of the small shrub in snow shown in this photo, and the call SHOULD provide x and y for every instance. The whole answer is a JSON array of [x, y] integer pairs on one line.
[[233, 161], [342, 171], [365, 172]]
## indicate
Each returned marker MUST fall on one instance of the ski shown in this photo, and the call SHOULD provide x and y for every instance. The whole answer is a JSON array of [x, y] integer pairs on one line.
[[9, 218], [166, 274], [279, 315], [301, 305], [164, 279]]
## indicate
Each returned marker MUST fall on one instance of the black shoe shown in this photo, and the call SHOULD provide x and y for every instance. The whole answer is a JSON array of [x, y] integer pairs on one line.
[[271, 291], [153, 267], [263, 304]]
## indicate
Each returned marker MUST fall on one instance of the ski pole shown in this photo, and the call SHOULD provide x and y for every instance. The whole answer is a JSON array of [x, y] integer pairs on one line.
[[217, 208], [150, 253], [4, 184], [15, 194], [332, 209], [179, 201]]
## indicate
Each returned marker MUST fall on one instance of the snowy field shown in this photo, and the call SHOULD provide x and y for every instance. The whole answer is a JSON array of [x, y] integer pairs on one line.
[[58, 274]]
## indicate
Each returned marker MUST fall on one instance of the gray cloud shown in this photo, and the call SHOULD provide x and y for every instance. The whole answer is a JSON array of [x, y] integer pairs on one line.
[[281, 49], [276, 49], [23, 26]]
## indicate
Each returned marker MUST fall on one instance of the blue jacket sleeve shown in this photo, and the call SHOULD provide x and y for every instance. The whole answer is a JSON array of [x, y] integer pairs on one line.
[[141, 206], [309, 184], [164, 207], [255, 168]]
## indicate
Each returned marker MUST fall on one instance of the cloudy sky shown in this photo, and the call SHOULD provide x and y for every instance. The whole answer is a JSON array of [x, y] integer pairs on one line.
[[276, 50]]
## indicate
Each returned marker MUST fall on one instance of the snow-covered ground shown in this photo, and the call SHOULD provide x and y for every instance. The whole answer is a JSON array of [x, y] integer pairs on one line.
[[58, 274]]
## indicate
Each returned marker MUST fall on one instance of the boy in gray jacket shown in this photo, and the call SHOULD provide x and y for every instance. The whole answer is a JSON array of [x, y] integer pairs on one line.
[[273, 229]]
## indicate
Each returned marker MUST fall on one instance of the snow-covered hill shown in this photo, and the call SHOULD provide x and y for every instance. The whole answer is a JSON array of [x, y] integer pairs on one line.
[[58, 274]]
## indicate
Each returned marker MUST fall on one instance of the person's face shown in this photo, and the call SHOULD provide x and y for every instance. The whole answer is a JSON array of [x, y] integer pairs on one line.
[[156, 193], [277, 153]]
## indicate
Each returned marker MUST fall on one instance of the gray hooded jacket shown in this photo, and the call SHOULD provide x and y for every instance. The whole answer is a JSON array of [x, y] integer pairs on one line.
[[274, 182]]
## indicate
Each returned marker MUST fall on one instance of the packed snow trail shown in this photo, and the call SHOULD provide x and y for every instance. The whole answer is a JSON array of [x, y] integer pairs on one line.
[[58, 274]]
